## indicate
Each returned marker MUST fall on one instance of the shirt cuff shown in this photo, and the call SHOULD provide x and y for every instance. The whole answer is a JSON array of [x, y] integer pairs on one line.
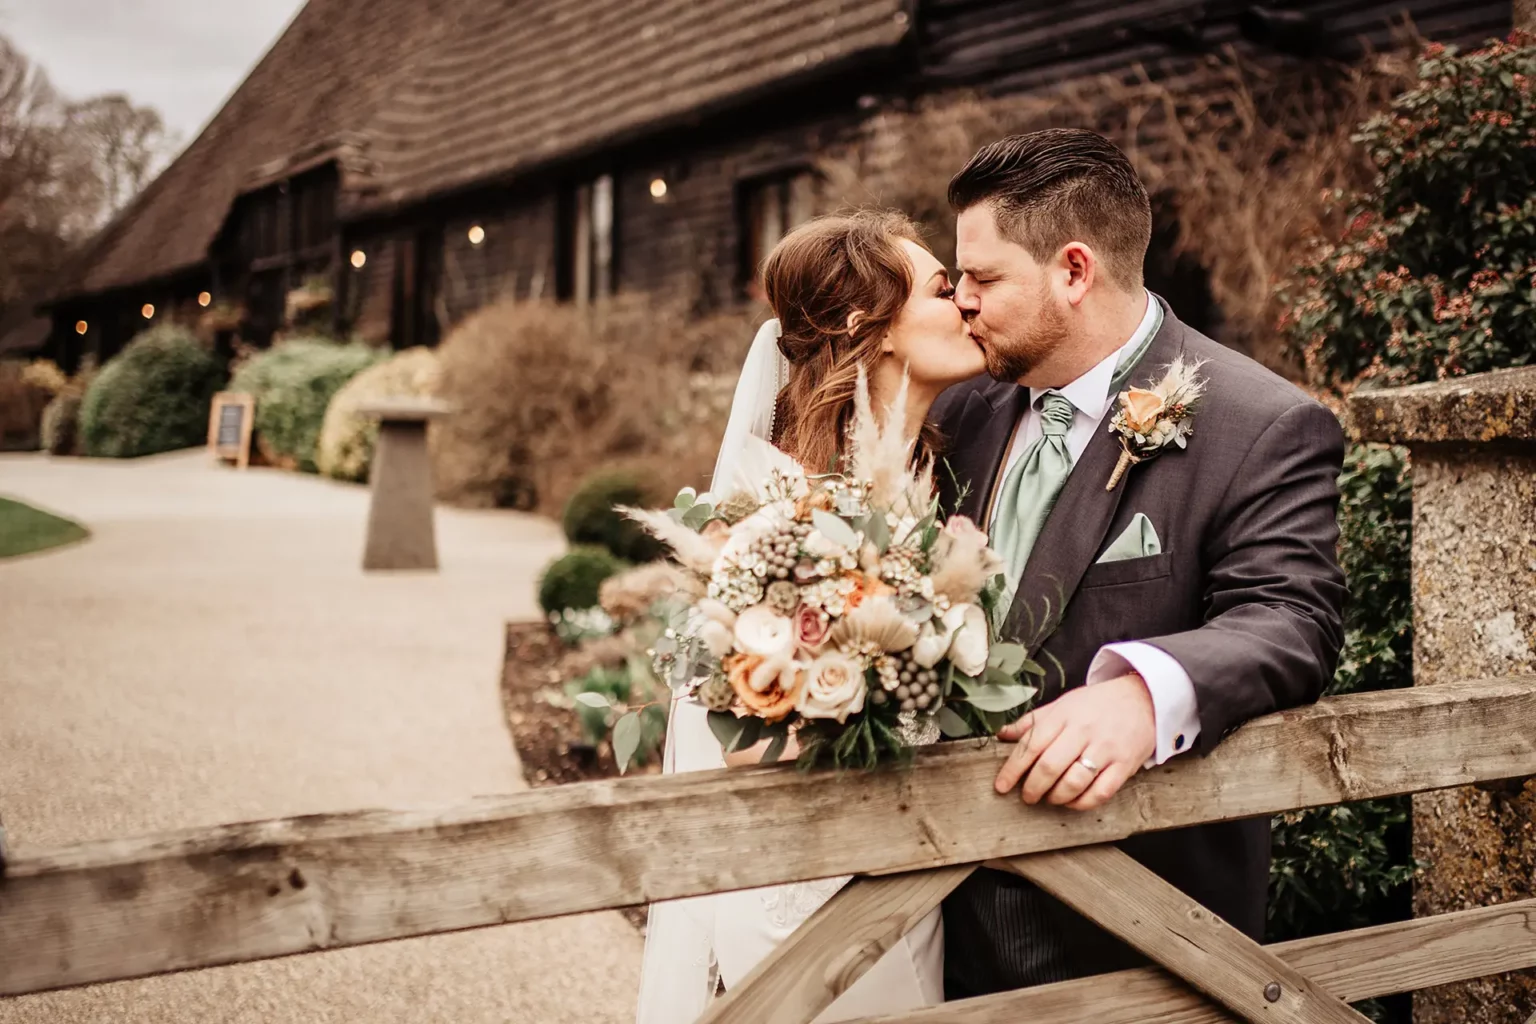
[[1175, 716]]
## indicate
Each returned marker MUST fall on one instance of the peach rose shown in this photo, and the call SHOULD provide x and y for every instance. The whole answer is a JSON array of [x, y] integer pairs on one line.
[[834, 688], [774, 700], [1142, 408], [863, 587]]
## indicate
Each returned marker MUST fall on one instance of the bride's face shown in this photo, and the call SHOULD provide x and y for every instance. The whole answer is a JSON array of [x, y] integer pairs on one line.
[[930, 335]]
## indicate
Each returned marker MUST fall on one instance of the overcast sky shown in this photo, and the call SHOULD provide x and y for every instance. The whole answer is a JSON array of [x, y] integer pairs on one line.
[[183, 57]]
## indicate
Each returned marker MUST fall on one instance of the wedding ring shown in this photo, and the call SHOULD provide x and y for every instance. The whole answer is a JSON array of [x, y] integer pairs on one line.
[[1089, 765]]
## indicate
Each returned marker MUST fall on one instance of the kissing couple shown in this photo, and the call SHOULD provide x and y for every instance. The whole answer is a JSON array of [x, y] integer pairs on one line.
[[1190, 558]]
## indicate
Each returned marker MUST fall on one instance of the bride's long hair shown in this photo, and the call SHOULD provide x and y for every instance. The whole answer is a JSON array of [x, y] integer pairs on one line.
[[816, 279]]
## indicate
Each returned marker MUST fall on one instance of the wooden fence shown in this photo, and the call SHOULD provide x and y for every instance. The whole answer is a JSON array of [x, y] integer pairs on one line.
[[128, 908]]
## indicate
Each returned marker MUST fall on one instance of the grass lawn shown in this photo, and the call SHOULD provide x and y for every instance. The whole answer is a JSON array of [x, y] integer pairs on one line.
[[24, 529]]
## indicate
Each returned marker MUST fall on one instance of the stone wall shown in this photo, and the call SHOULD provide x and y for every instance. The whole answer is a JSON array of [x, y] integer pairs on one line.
[[1473, 442]]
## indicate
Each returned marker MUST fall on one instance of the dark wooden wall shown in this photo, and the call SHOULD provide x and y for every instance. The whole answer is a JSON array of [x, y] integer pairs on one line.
[[1013, 45]]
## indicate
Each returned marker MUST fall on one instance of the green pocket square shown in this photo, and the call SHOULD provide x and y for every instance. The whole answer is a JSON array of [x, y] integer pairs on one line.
[[1138, 541]]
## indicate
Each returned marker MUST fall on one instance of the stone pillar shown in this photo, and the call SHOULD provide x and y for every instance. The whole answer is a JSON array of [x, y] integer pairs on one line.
[[1473, 444], [400, 528]]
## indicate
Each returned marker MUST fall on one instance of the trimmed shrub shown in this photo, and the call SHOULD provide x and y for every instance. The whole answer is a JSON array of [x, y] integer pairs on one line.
[[573, 579], [592, 516], [345, 449], [153, 396], [61, 425], [545, 394], [293, 383], [1435, 275]]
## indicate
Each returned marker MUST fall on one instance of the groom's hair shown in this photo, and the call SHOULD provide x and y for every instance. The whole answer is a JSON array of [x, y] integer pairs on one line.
[[1051, 187]]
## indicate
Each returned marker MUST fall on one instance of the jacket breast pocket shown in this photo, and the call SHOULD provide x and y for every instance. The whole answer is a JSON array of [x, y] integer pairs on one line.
[[1127, 570]]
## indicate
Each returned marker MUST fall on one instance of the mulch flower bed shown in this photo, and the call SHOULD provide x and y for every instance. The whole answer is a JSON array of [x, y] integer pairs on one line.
[[544, 727]]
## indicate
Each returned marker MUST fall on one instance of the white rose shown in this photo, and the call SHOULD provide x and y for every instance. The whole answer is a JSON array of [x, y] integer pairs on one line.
[[762, 631], [931, 645], [716, 636], [834, 688], [968, 646]]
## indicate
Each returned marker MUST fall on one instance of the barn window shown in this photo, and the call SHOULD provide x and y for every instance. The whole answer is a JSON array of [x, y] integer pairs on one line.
[[769, 207], [588, 264]]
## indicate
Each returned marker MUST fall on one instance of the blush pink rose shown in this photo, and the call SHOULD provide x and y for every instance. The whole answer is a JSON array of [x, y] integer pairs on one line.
[[811, 627]]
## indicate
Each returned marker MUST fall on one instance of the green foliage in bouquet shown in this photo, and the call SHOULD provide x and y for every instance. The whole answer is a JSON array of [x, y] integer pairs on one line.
[[293, 383], [592, 516], [151, 397], [573, 579]]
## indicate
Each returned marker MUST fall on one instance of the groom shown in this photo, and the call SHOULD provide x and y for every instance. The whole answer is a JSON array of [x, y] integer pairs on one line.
[[1200, 591]]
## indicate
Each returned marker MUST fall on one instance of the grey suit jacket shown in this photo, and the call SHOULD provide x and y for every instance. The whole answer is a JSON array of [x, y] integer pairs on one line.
[[1247, 595]]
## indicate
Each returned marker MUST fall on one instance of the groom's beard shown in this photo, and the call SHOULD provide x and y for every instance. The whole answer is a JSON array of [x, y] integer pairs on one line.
[[1015, 359]]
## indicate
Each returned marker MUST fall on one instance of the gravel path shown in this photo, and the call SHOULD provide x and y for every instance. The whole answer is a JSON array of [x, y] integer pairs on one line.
[[214, 654]]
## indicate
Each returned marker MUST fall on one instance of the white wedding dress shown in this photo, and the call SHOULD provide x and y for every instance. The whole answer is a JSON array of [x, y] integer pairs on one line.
[[693, 943]]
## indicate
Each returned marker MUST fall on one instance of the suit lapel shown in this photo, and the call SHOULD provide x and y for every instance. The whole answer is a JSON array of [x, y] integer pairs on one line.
[[1082, 515], [980, 442]]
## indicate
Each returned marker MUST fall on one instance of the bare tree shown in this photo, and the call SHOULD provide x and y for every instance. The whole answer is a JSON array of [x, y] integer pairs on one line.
[[65, 169], [126, 145]]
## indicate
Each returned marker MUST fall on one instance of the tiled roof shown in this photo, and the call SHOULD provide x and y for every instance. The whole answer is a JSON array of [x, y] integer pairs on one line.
[[422, 96], [323, 78], [532, 82]]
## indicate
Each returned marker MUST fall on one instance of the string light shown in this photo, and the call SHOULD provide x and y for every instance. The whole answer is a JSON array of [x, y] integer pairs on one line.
[[359, 258], [476, 235], [81, 326], [658, 188], [203, 298], [148, 310]]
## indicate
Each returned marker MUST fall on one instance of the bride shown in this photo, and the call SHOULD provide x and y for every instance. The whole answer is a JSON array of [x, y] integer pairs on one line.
[[848, 292]]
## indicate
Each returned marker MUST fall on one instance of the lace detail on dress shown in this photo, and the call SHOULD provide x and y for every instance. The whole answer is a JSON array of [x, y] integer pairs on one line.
[[788, 905]]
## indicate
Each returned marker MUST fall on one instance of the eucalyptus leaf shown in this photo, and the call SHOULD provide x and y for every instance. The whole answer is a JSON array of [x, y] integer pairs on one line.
[[997, 677], [1033, 668], [592, 700], [952, 725], [751, 729], [698, 515], [626, 740], [1009, 658], [999, 698], [775, 748], [685, 498], [877, 531], [726, 727], [835, 529]]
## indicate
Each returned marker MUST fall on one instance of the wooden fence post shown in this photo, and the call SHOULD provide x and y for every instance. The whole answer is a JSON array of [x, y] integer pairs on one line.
[[1473, 444]]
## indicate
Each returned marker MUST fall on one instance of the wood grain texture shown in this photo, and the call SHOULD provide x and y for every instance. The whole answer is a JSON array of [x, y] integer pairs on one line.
[[1127, 900], [1354, 965], [202, 897], [833, 948]]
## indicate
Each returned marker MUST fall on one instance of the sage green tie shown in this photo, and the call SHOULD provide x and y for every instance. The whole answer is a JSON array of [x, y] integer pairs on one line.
[[1033, 484]]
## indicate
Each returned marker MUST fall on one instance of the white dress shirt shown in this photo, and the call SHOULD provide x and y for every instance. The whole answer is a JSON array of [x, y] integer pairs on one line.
[[1173, 695]]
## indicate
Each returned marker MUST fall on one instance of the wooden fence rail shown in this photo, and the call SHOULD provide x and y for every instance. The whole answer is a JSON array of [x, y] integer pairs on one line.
[[128, 908]]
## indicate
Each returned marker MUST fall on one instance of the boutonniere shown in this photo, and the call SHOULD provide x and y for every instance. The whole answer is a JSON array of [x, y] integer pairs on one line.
[[1150, 419]]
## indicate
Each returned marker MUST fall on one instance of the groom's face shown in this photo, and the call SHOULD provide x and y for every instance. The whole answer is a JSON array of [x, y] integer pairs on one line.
[[1006, 298]]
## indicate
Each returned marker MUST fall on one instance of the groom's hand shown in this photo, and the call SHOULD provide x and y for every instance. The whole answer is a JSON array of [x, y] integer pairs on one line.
[[1078, 750]]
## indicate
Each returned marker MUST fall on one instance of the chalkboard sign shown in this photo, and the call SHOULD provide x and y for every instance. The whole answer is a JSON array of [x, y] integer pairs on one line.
[[229, 427]]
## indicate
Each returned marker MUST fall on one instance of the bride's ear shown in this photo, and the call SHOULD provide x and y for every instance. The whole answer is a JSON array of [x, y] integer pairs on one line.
[[854, 318]]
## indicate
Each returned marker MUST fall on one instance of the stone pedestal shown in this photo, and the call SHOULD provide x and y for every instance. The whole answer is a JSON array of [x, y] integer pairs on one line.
[[1473, 444], [400, 529]]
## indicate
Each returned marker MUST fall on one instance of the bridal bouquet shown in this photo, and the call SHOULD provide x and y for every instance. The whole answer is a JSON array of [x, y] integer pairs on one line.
[[838, 608]]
